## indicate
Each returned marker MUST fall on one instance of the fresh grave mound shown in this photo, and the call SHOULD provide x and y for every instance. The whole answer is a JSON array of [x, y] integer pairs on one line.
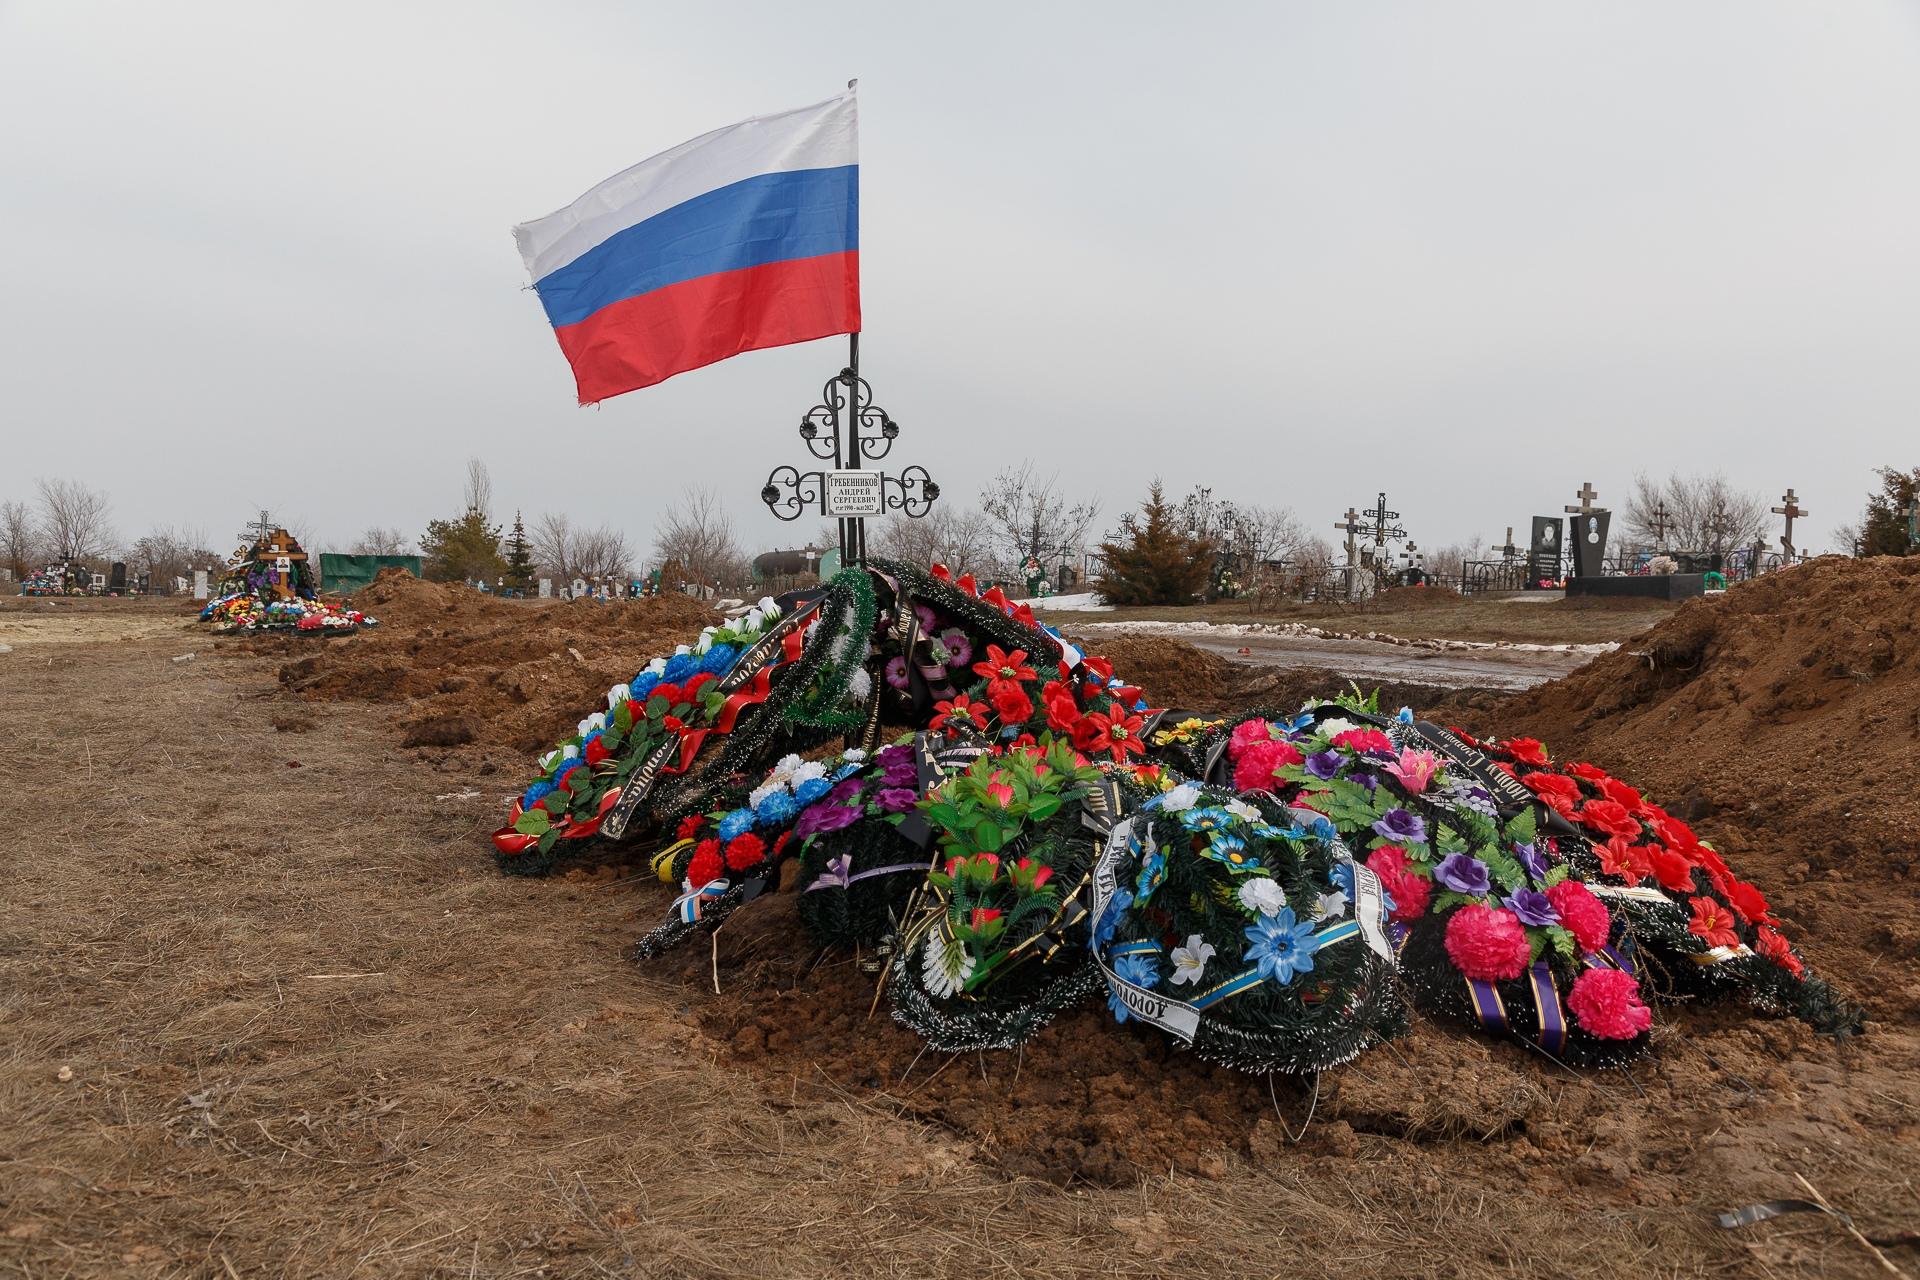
[[270, 587], [1006, 833], [468, 666], [1789, 706]]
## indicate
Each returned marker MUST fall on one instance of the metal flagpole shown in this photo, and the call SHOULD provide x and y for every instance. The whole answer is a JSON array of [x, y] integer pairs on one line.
[[852, 529]]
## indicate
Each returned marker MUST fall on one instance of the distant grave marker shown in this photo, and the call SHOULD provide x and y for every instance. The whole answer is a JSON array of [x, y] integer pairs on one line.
[[1790, 510]]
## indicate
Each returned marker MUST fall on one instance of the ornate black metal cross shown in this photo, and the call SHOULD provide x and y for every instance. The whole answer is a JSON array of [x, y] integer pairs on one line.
[[847, 429], [1381, 529]]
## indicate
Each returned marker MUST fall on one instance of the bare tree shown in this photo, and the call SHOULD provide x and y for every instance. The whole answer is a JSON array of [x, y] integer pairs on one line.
[[73, 521], [479, 489], [168, 553], [1262, 539], [1703, 514], [695, 542], [1033, 519], [18, 539], [600, 553], [382, 542], [1445, 565], [961, 539], [552, 541]]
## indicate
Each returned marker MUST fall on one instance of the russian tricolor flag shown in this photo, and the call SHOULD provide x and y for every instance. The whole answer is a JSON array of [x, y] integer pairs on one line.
[[743, 238]]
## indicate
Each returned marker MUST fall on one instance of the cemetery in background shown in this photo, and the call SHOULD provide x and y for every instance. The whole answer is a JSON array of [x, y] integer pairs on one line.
[[1025, 533]]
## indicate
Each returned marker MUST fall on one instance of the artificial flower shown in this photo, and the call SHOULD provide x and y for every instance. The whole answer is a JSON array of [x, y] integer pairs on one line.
[[1609, 816], [1281, 946], [1329, 906], [959, 648], [1748, 902], [745, 851], [1463, 873], [1560, 794], [1245, 734], [776, 809], [1262, 895], [1364, 742], [1401, 826], [1003, 667], [1606, 1003], [1670, 869], [1261, 762], [1181, 798], [734, 823], [811, 789], [1526, 751], [961, 712], [1011, 704], [1410, 891], [1624, 861], [1415, 769], [706, 863], [1582, 914], [1712, 923], [1487, 944], [1771, 944], [1138, 968], [1325, 765], [1534, 861], [1533, 908], [897, 799], [824, 817], [1190, 961], [1115, 731]]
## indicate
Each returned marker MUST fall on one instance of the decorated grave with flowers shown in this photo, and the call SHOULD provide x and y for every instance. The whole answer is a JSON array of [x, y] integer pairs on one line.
[[270, 587], [948, 785]]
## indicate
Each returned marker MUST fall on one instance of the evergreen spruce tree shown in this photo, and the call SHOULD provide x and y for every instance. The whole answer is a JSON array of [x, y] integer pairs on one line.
[[519, 558], [1884, 530], [1153, 561]]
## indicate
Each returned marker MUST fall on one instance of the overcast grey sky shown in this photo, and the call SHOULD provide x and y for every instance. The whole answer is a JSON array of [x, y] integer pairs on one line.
[[1470, 253]]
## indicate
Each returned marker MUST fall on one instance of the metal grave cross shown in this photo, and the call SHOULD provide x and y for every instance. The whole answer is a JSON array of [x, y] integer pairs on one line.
[[1791, 509], [1586, 495], [1380, 515]]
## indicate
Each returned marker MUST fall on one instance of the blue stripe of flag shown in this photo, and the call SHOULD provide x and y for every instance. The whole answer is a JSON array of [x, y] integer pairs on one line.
[[775, 217]]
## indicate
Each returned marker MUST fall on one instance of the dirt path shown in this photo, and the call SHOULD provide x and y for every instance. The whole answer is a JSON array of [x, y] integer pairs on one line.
[[304, 1029], [1480, 665]]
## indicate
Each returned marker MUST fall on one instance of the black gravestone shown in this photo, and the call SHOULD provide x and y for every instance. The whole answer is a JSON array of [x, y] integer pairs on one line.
[[117, 578], [1543, 559], [1589, 534]]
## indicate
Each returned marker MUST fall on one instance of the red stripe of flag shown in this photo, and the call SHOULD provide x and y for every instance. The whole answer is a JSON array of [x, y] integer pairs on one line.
[[639, 341]]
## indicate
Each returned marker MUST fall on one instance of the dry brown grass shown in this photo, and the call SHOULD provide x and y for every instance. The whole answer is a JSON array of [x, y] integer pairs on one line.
[[310, 1032]]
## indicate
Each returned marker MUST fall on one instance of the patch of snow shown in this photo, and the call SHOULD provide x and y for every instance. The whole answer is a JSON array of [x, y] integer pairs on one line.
[[1298, 630], [1083, 603]]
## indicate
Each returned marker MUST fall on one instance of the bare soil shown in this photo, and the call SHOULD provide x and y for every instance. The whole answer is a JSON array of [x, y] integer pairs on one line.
[[305, 1029]]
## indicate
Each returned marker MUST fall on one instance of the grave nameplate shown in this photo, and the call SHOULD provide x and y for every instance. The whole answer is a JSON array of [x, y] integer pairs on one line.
[[1544, 551]]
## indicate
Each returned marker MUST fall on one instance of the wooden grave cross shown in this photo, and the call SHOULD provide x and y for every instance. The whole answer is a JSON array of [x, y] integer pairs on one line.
[[1791, 509], [286, 553], [1352, 527], [1507, 551]]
